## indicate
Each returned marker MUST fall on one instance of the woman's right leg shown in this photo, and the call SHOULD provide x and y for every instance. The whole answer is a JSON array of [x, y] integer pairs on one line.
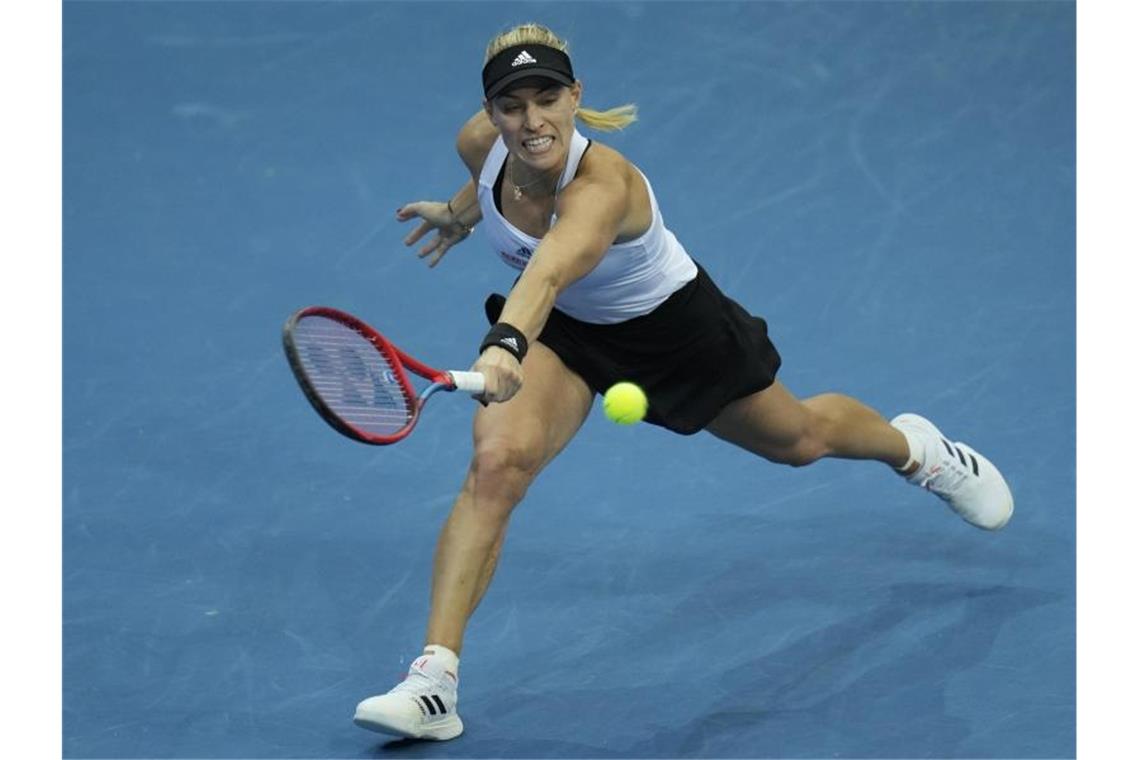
[[513, 442]]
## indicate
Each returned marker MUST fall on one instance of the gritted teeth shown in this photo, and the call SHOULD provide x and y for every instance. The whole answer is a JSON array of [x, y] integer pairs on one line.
[[538, 142]]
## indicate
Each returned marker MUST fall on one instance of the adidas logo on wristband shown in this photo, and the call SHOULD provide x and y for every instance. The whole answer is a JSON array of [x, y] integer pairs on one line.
[[507, 337]]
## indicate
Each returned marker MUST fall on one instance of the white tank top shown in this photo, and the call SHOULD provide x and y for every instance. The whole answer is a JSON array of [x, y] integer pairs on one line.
[[632, 279]]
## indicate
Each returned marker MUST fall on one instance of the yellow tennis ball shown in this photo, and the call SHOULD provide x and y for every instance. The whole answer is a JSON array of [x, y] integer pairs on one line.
[[625, 403]]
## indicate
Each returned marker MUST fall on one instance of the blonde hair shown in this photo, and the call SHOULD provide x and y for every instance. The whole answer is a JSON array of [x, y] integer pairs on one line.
[[610, 120]]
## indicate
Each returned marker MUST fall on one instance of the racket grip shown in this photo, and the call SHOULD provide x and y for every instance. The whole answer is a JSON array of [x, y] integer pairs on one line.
[[470, 382]]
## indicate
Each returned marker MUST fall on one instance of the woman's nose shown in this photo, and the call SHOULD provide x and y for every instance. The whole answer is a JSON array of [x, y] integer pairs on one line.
[[533, 116]]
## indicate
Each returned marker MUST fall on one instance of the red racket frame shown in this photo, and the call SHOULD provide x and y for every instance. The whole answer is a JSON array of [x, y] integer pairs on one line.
[[400, 361]]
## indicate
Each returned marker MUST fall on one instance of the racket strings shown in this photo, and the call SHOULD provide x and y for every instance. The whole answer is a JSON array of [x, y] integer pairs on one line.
[[352, 376]]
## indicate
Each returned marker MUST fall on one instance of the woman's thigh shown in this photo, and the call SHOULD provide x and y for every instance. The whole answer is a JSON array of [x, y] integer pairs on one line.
[[538, 422], [772, 423]]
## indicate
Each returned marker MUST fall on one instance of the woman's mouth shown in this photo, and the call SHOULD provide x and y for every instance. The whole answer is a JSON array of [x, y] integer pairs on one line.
[[537, 145]]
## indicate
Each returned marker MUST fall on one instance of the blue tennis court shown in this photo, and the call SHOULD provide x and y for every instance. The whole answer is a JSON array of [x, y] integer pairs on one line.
[[890, 184]]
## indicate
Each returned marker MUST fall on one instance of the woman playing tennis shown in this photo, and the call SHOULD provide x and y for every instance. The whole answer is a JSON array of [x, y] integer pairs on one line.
[[607, 293]]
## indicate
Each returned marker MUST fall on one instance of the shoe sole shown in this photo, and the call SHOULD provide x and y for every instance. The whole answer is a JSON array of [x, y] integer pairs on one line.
[[448, 729]]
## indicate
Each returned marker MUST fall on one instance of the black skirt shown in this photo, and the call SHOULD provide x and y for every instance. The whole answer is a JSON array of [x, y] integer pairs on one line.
[[692, 355]]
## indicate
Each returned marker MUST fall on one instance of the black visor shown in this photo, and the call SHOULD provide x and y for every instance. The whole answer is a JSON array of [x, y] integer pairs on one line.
[[524, 62]]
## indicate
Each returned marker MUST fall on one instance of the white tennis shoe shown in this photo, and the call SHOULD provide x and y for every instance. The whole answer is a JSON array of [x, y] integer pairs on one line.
[[957, 474], [422, 706]]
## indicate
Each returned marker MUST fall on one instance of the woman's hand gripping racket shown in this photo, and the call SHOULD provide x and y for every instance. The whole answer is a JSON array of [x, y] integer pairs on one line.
[[358, 381]]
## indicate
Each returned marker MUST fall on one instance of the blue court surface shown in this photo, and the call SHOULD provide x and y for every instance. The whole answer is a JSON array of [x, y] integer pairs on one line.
[[891, 185]]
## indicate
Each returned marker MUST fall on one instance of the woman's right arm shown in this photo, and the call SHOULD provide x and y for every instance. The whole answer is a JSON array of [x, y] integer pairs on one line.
[[454, 219]]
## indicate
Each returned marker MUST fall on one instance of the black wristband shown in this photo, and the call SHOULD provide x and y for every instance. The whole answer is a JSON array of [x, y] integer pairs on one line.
[[507, 337]]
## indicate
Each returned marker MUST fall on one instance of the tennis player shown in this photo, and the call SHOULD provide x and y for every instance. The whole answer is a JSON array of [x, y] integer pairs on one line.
[[607, 293]]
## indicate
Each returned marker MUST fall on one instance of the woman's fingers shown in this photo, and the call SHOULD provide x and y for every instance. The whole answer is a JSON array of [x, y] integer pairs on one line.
[[438, 255], [418, 233], [442, 246], [408, 210], [436, 242], [436, 248], [503, 375], [429, 212]]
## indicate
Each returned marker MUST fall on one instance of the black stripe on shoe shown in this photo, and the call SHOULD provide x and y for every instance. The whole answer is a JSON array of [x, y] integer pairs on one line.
[[430, 706], [961, 456], [949, 448], [439, 702], [974, 462]]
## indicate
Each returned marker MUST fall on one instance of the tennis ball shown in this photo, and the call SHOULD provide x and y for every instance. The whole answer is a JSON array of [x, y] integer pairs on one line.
[[625, 403]]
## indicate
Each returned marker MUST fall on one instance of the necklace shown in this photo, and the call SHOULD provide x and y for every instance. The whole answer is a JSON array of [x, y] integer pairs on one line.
[[519, 188]]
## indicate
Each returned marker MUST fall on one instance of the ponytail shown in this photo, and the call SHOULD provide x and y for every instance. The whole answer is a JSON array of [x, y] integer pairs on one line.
[[610, 120]]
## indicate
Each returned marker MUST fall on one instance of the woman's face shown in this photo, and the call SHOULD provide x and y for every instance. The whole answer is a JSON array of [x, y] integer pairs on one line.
[[537, 122]]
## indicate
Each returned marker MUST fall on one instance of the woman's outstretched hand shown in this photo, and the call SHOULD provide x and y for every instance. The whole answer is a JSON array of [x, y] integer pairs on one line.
[[436, 216]]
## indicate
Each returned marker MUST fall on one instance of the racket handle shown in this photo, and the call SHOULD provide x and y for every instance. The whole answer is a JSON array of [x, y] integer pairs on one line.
[[471, 382]]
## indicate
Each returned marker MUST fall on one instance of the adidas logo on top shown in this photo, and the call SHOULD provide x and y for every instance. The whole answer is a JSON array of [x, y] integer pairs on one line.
[[523, 57], [509, 341]]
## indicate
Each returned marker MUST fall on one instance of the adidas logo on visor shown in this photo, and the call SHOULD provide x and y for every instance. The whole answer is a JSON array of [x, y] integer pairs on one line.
[[523, 57]]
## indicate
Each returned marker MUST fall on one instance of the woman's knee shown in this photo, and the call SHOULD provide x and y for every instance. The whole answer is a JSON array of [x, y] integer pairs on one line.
[[809, 446], [802, 454], [501, 472]]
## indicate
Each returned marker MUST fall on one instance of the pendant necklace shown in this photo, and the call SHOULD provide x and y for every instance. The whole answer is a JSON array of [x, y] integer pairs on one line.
[[519, 188]]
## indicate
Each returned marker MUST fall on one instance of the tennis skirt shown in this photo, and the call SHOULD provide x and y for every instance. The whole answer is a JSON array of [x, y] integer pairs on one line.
[[693, 355]]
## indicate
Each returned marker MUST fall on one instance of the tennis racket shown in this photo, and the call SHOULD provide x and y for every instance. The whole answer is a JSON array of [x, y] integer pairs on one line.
[[357, 380]]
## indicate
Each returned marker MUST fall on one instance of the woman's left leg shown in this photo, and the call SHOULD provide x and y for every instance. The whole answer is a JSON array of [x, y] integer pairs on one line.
[[777, 426]]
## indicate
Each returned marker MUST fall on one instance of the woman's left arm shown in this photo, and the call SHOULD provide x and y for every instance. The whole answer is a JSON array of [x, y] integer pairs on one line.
[[591, 212]]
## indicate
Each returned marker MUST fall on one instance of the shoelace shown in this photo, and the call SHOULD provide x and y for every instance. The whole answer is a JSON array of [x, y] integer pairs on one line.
[[418, 681], [946, 477]]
